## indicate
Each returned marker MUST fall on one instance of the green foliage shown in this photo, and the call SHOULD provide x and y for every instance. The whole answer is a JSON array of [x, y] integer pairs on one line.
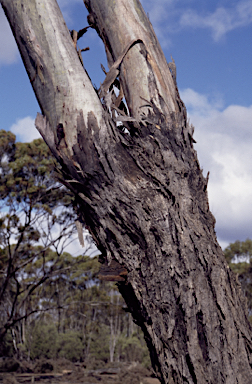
[[99, 344], [43, 341], [6, 346], [239, 258], [84, 318], [53, 302], [27, 184], [70, 346], [35, 210], [133, 348], [7, 144], [239, 250], [27, 172]]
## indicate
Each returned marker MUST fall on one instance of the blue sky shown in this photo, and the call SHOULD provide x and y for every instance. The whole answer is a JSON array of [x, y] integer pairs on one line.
[[211, 44]]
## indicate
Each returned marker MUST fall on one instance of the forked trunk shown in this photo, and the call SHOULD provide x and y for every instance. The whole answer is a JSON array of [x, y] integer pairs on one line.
[[141, 190]]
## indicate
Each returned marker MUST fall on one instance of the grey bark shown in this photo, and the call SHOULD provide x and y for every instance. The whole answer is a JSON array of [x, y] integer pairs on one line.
[[141, 194]]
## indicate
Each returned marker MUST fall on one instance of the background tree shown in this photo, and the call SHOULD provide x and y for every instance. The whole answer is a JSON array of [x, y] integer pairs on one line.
[[53, 303], [139, 185], [239, 258], [36, 224], [78, 317]]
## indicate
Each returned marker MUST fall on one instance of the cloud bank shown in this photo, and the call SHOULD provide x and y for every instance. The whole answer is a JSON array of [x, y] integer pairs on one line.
[[224, 142], [25, 130], [222, 20], [171, 16]]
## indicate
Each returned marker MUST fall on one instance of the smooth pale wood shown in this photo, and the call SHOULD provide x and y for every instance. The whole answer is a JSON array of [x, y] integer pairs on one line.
[[61, 86], [143, 197]]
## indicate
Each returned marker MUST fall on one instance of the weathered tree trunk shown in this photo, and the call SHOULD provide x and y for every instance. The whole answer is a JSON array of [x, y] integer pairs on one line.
[[141, 191]]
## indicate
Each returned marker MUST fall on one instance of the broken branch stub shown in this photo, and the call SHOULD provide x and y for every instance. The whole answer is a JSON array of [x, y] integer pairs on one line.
[[144, 71]]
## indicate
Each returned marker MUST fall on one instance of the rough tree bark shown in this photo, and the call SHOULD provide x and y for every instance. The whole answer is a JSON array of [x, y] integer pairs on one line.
[[141, 192]]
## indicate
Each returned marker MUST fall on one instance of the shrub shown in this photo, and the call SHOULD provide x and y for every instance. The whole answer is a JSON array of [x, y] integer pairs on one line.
[[44, 341], [70, 346], [6, 346], [133, 348], [99, 346]]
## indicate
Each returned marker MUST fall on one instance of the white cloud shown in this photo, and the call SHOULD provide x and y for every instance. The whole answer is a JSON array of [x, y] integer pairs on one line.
[[170, 16], [222, 20], [75, 249], [25, 129], [224, 142], [8, 48]]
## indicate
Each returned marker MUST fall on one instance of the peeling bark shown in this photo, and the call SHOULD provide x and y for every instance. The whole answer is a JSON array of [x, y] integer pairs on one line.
[[144, 72], [141, 194]]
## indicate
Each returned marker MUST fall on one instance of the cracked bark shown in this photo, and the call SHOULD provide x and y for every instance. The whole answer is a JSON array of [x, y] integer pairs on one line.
[[142, 194]]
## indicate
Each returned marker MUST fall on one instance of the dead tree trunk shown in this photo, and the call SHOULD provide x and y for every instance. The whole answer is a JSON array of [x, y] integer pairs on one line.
[[140, 190]]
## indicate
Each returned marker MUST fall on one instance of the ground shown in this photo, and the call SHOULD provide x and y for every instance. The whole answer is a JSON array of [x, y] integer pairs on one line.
[[62, 371]]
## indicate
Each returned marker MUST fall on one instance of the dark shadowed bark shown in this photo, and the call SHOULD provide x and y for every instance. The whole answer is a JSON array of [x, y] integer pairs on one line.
[[141, 191]]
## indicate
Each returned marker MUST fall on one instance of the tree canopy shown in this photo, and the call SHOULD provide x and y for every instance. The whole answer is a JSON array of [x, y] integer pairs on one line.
[[36, 223], [239, 258], [41, 283]]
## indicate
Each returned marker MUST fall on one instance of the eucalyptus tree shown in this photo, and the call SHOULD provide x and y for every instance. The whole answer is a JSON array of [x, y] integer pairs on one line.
[[239, 258], [139, 185], [36, 224]]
